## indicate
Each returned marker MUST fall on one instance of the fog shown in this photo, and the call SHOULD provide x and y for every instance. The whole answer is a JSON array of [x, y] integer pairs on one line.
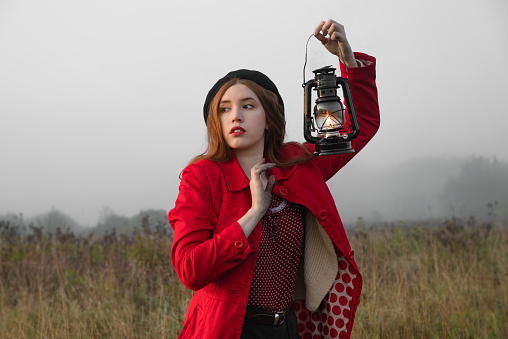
[[101, 101], [426, 188]]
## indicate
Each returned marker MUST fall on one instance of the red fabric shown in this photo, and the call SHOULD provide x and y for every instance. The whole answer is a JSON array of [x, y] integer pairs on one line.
[[210, 252], [279, 252], [331, 319]]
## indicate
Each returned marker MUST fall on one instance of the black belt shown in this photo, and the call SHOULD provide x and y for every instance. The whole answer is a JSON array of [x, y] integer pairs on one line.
[[266, 318]]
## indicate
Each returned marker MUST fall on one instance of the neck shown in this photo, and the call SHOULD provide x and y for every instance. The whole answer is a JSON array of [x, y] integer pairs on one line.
[[248, 158]]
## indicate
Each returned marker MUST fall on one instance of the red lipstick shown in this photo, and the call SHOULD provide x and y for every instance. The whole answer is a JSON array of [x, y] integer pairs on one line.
[[237, 130]]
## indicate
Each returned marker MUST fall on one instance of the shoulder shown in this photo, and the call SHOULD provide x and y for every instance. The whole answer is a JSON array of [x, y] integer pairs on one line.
[[202, 171], [213, 172], [201, 164], [293, 149]]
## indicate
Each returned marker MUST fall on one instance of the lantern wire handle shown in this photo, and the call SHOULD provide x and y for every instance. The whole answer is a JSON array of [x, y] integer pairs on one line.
[[305, 64]]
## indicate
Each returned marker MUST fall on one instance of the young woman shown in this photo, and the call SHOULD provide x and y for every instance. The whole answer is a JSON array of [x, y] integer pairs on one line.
[[257, 234]]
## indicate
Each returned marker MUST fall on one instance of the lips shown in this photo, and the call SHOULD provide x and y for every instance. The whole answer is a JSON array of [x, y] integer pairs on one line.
[[237, 130]]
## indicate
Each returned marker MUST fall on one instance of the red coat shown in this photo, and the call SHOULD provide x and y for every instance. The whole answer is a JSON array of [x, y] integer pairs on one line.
[[212, 256]]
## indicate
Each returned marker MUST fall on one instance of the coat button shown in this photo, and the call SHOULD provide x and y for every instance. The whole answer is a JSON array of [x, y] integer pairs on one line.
[[283, 190], [239, 244], [322, 215], [351, 254]]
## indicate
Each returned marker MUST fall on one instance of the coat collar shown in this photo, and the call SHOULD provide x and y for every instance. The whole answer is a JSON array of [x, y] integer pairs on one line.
[[236, 179]]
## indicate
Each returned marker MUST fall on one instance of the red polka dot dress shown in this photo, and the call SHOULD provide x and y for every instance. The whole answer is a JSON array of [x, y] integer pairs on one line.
[[279, 253]]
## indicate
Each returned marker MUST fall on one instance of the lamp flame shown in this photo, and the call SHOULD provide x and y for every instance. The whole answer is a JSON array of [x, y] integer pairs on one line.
[[332, 122], [329, 121]]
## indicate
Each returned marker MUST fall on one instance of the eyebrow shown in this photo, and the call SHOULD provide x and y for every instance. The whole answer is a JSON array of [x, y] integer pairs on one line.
[[229, 101]]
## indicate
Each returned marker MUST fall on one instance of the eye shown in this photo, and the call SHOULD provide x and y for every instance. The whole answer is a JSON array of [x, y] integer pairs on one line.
[[223, 109], [248, 106]]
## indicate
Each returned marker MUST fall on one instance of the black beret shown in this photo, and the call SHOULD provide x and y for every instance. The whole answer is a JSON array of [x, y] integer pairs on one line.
[[255, 76]]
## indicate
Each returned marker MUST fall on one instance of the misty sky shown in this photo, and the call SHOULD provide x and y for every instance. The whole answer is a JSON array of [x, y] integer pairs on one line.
[[101, 100]]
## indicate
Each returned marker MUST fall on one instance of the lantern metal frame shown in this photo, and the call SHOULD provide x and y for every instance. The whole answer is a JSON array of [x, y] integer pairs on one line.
[[326, 83]]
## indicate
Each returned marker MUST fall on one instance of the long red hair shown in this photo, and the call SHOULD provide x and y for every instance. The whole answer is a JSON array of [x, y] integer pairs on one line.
[[218, 150]]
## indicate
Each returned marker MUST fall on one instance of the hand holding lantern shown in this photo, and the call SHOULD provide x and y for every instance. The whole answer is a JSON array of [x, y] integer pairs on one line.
[[333, 37]]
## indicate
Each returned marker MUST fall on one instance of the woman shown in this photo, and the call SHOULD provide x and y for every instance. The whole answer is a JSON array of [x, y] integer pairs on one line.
[[256, 231]]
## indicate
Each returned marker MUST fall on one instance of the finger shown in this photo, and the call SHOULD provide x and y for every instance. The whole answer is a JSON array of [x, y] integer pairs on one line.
[[270, 183], [326, 27], [335, 27], [262, 161], [259, 163], [321, 38], [261, 168], [265, 165], [332, 29], [318, 28]]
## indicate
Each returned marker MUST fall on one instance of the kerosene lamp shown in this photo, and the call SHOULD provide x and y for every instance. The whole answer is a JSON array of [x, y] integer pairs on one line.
[[333, 125]]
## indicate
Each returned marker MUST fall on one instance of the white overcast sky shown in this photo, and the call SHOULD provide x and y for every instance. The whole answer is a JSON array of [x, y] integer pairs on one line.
[[101, 100]]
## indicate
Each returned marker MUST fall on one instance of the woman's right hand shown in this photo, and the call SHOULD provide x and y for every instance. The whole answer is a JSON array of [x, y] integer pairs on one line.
[[261, 191], [261, 186]]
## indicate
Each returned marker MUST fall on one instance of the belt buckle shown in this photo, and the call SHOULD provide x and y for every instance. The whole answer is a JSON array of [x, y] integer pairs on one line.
[[278, 316]]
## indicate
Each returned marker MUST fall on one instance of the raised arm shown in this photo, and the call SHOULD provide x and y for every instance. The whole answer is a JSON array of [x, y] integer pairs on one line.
[[361, 72]]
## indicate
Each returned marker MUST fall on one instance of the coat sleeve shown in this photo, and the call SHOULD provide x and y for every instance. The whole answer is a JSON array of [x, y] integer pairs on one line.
[[199, 255], [364, 92]]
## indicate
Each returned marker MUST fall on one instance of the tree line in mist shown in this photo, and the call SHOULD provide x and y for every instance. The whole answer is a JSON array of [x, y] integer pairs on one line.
[[55, 221], [426, 188]]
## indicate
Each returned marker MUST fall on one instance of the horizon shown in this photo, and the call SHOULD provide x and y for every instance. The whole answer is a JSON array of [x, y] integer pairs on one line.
[[421, 198]]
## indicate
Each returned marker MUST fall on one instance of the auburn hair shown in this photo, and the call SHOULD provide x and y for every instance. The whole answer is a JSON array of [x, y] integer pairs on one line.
[[275, 132]]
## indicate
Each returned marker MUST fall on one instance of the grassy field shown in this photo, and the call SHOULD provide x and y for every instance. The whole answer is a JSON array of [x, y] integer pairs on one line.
[[433, 281], [425, 280]]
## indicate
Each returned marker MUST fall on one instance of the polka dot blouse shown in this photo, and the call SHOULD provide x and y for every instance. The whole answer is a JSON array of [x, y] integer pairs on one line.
[[279, 253]]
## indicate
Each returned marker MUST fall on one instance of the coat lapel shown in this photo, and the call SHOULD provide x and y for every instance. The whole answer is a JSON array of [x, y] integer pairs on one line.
[[236, 180]]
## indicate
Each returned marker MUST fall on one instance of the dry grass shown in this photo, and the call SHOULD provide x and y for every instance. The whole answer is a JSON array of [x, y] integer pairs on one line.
[[115, 286], [447, 280], [433, 281]]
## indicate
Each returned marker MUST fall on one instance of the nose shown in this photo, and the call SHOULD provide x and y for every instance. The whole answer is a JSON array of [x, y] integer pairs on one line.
[[237, 114]]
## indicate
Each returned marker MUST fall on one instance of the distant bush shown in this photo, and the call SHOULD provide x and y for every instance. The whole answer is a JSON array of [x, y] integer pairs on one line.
[[53, 220], [110, 221], [480, 189], [47, 222]]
